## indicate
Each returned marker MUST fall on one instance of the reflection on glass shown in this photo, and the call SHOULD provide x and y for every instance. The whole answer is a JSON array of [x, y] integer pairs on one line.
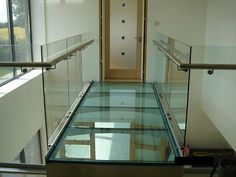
[[63, 84], [117, 125], [114, 145], [5, 74], [56, 95], [58, 48], [118, 118], [121, 100], [176, 48], [173, 83], [122, 88], [54, 50], [75, 81]]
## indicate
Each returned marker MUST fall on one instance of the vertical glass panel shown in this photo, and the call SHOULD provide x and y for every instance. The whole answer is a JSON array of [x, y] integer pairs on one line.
[[56, 95], [64, 81], [174, 83], [5, 74], [76, 83], [53, 50], [74, 42], [74, 68], [123, 22]]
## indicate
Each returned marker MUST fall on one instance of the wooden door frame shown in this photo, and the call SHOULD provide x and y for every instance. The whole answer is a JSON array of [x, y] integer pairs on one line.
[[104, 64]]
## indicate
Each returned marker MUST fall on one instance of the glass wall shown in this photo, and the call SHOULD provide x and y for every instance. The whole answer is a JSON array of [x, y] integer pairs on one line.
[[15, 39]]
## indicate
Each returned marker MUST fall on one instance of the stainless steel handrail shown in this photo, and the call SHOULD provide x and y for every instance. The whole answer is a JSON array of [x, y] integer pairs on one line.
[[46, 64], [23, 168], [188, 66]]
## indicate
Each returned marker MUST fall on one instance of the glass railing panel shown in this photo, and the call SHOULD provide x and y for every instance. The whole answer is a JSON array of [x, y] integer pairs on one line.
[[53, 50], [74, 42], [76, 83], [180, 117], [119, 88], [75, 70], [64, 81], [5, 74], [163, 40], [114, 145], [174, 83], [121, 100], [118, 118], [176, 100], [176, 48], [56, 95]]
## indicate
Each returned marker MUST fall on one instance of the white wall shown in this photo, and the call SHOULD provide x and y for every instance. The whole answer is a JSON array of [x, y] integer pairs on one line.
[[184, 20], [218, 95], [21, 117], [71, 17], [38, 27]]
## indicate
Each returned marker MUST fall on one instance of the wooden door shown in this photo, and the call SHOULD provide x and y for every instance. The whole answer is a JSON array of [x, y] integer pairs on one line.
[[123, 44]]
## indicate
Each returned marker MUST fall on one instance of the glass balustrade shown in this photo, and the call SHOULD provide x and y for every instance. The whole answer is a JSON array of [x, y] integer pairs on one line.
[[173, 83], [64, 81]]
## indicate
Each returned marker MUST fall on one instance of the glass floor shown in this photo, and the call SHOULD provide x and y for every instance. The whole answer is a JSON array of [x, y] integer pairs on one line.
[[117, 123]]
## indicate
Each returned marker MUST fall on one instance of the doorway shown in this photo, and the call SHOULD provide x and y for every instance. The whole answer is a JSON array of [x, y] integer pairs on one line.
[[123, 40]]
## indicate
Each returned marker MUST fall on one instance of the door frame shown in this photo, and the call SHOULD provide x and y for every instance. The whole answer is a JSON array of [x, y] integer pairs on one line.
[[105, 41]]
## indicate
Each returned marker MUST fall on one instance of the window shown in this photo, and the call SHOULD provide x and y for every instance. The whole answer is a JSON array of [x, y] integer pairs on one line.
[[15, 38]]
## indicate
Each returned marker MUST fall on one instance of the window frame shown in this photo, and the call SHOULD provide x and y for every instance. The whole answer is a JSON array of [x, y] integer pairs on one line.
[[12, 40]]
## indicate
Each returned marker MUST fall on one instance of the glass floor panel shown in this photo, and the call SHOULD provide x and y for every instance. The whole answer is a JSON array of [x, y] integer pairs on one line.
[[100, 117], [114, 145], [122, 88], [121, 100], [117, 123]]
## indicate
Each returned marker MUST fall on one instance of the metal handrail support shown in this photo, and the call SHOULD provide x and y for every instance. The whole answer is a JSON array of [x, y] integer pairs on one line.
[[46, 64], [18, 168]]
